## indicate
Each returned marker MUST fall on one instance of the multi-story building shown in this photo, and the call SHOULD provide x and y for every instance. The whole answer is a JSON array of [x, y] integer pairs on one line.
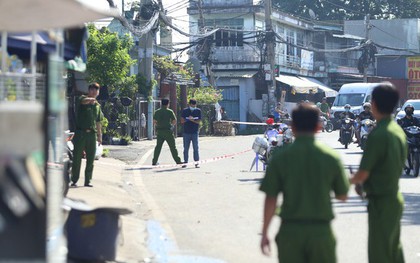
[[237, 52], [398, 50]]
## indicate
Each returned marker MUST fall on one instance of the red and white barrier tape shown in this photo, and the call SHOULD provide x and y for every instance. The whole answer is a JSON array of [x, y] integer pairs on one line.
[[210, 160], [253, 123]]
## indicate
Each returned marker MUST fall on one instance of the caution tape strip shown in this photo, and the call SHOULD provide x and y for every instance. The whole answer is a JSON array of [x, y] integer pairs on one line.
[[252, 123], [214, 159]]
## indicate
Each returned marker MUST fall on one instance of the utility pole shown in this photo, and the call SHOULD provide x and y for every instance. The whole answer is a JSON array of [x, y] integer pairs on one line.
[[145, 65], [204, 48], [366, 63], [271, 57]]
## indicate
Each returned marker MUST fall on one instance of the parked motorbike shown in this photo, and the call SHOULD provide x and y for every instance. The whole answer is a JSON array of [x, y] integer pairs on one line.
[[326, 124], [366, 126], [264, 146], [346, 131], [413, 158]]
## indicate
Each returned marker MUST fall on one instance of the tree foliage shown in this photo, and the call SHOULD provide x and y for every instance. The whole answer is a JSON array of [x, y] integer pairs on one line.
[[350, 9], [108, 58]]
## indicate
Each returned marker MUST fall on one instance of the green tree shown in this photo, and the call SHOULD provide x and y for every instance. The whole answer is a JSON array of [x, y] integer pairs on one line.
[[109, 64], [350, 9], [108, 58]]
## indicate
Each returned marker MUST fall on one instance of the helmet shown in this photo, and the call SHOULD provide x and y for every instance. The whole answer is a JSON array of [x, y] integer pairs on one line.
[[347, 106], [269, 121], [409, 109], [409, 105], [367, 104]]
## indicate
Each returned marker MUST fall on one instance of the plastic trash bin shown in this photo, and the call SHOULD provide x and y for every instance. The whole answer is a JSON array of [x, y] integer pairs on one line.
[[93, 235]]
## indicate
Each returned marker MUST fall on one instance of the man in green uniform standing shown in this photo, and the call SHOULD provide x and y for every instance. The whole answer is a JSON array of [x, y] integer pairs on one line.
[[163, 120], [379, 172], [306, 172], [88, 131]]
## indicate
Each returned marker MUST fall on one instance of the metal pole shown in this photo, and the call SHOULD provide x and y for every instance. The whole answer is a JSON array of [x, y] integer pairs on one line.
[[146, 68], [3, 93], [33, 66], [271, 45], [365, 65]]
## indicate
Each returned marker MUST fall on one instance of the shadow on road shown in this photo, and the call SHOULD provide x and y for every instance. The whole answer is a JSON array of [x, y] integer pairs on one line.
[[250, 180], [411, 214], [358, 152]]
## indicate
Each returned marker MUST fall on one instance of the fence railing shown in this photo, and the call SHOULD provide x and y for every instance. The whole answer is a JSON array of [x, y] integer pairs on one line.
[[22, 87]]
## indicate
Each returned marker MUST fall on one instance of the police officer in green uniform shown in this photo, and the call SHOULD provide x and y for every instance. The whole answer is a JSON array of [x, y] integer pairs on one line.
[[88, 131], [380, 169], [305, 172], [163, 119]]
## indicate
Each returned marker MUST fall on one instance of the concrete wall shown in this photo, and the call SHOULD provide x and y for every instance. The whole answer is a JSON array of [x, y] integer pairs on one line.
[[392, 66], [396, 33], [246, 92]]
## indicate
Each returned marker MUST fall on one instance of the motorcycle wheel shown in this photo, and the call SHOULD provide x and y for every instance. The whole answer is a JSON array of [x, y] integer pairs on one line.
[[329, 127], [416, 163]]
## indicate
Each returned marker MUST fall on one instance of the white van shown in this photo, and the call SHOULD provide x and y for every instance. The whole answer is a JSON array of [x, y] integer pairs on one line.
[[354, 94]]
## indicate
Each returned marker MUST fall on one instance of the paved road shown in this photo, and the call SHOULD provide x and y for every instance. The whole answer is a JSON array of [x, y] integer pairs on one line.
[[214, 214]]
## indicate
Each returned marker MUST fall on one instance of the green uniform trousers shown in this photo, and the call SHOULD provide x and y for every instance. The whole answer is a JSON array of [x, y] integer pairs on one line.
[[385, 214], [168, 136], [306, 243], [83, 141]]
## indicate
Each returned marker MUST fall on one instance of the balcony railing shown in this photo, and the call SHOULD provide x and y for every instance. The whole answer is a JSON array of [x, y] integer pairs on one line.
[[234, 55]]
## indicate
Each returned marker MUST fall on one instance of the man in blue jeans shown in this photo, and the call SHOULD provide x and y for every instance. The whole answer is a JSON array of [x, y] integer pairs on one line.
[[191, 118]]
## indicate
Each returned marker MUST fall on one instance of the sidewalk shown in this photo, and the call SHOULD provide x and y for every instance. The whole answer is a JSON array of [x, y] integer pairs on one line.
[[115, 186]]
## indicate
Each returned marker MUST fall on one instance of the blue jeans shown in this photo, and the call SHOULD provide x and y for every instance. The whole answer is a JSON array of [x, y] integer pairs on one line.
[[188, 138]]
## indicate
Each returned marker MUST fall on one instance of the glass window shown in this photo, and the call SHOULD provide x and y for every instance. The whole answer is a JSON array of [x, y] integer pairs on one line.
[[354, 99]]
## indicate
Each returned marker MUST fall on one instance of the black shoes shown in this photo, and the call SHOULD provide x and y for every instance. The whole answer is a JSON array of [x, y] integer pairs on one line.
[[73, 185], [88, 185]]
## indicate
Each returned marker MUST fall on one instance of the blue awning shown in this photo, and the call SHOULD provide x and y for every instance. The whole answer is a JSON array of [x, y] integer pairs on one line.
[[20, 44]]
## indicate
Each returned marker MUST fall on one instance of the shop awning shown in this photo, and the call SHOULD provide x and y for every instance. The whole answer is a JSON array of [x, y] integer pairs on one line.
[[28, 15], [298, 85], [328, 91]]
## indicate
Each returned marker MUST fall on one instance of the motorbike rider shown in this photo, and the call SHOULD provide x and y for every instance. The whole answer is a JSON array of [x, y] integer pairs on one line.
[[346, 114], [366, 114], [408, 119]]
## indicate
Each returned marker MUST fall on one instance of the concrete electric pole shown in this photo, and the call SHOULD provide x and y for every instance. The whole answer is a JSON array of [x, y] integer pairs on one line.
[[271, 57], [145, 64], [365, 63]]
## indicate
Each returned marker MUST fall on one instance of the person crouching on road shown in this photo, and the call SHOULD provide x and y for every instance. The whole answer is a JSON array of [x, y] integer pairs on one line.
[[163, 120], [313, 171], [191, 118], [88, 131]]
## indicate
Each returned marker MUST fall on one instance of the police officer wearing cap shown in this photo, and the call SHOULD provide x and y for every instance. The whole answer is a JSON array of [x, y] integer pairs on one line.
[[88, 131]]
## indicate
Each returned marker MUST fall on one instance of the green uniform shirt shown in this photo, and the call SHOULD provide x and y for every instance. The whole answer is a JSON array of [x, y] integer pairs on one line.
[[305, 172], [164, 118], [384, 158], [325, 107], [87, 115]]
